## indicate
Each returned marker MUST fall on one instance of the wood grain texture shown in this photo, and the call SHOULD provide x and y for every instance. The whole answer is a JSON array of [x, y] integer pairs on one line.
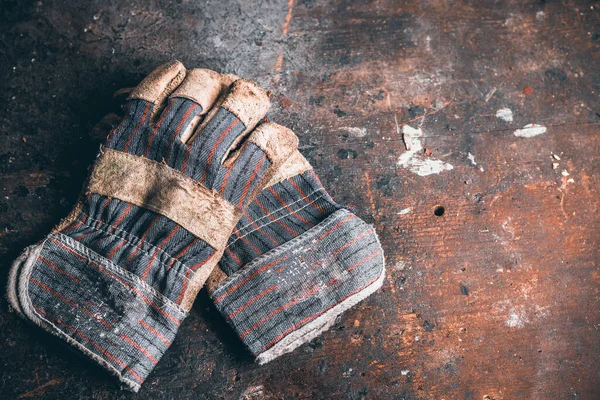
[[498, 298]]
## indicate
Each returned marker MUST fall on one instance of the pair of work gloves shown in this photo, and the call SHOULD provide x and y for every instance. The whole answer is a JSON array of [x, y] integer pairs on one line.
[[193, 188]]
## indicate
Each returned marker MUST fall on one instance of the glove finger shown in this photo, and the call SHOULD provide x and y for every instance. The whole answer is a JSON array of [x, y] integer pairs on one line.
[[224, 127], [249, 168], [158, 85], [193, 99], [202, 86], [144, 104]]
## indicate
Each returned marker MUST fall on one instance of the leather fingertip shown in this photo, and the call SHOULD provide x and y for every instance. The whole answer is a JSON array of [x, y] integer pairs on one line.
[[202, 86], [247, 101], [160, 82], [296, 164], [277, 141]]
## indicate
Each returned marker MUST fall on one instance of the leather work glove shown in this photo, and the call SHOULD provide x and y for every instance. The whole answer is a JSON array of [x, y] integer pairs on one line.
[[295, 261], [116, 278], [321, 260]]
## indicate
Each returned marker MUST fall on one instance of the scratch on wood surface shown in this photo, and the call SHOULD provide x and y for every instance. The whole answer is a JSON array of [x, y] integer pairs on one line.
[[397, 125], [284, 32], [562, 189], [370, 195], [427, 114], [35, 393], [562, 202], [288, 18], [490, 94]]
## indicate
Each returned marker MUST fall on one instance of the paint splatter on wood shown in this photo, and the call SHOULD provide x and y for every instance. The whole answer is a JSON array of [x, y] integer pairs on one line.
[[413, 159], [505, 114], [530, 130]]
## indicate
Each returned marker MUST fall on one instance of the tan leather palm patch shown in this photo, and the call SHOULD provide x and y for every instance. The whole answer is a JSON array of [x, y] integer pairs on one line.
[[159, 188]]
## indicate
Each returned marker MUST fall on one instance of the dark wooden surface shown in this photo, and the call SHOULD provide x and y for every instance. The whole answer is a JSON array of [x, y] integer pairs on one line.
[[498, 298]]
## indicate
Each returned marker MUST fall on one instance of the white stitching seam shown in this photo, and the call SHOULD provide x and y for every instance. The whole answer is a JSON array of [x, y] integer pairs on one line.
[[273, 221], [284, 215], [284, 207]]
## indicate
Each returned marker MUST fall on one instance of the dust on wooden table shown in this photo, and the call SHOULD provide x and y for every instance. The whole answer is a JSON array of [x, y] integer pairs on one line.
[[488, 219]]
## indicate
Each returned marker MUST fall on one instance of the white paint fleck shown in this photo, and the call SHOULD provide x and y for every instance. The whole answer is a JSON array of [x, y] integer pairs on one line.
[[410, 135], [439, 104], [481, 169], [413, 160], [516, 319], [471, 158], [404, 211], [540, 15], [564, 172], [530, 130], [541, 312], [253, 392], [355, 131], [405, 372], [400, 266], [505, 114]]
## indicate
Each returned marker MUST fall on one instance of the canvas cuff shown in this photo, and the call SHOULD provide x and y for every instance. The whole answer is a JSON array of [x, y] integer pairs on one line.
[[294, 292], [104, 311]]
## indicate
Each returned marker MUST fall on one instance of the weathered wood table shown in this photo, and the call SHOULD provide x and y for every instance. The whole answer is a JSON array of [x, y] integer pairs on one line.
[[467, 132]]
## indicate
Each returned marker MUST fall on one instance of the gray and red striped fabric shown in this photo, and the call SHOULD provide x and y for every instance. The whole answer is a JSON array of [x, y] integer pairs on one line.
[[295, 261], [112, 281]]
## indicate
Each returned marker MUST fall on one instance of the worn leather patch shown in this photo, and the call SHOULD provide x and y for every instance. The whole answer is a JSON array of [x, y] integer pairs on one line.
[[295, 165], [216, 277], [157, 86], [247, 101], [202, 86], [159, 188]]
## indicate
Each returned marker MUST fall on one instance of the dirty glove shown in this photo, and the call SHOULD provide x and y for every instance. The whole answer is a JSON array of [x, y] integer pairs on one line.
[[117, 277], [296, 260], [325, 261]]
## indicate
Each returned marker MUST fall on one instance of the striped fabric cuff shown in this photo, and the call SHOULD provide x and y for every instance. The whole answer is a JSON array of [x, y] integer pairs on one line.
[[106, 312], [294, 292]]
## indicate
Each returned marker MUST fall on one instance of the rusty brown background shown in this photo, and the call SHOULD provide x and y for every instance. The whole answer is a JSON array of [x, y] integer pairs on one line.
[[498, 298]]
